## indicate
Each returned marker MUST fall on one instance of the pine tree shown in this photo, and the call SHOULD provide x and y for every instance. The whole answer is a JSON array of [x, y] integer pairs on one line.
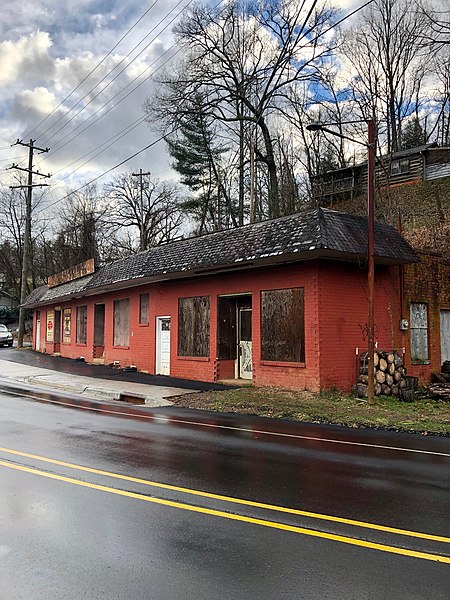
[[197, 159]]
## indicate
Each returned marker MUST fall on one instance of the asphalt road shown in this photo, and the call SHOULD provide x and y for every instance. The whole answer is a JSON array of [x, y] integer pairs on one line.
[[83, 513]]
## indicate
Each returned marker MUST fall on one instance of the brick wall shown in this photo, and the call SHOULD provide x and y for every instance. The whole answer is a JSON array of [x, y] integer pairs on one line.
[[343, 312], [335, 297], [428, 282]]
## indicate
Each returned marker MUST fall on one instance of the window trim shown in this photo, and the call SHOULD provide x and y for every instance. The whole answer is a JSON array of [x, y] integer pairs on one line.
[[404, 166], [179, 338], [416, 360], [277, 361]]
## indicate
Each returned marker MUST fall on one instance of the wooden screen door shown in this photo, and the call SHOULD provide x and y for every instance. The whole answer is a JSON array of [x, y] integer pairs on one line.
[[245, 342]]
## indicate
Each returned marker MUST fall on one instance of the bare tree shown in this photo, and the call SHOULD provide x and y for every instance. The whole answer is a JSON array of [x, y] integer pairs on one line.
[[244, 62], [386, 51], [152, 213]]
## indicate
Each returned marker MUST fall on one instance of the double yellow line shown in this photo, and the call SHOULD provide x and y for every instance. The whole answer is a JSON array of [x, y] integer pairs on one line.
[[232, 500]]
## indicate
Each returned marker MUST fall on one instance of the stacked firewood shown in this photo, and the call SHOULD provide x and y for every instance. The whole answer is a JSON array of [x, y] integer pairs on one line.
[[389, 375]]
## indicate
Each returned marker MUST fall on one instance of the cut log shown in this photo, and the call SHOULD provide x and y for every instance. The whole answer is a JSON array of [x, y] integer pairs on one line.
[[380, 377], [391, 368], [440, 391], [359, 390], [390, 357], [376, 359], [363, 379], [386, 390], [389, 379], [412, 383], [397, 376], [377, 389], [438, 378], [395, 390], [382, 364], [407, 395], [402, 383], [365, 371]]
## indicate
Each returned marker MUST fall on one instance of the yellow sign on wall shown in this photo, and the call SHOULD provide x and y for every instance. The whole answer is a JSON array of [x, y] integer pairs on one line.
[[50, 325]]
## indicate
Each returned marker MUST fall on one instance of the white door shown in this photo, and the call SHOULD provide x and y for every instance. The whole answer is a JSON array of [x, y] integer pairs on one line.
[[245, 342], [38, 334], [163, 345], [445, 335]]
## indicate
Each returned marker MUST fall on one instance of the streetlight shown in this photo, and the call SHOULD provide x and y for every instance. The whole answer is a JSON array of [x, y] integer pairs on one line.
[[370, 145]]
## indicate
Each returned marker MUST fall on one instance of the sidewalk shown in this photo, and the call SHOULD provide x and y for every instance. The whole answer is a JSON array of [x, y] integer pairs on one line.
[[97, 382]]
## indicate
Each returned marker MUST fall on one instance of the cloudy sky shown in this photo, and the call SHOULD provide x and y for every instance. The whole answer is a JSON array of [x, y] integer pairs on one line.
[[47, 47]]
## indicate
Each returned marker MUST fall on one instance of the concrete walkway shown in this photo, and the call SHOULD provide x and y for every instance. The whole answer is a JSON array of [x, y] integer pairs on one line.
[[88, 386]]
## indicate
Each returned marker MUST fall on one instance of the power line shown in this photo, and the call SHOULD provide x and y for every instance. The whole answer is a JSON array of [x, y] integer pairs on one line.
[[117, 103], [175, 129], [105, 172], [94, 69], [111, 71]]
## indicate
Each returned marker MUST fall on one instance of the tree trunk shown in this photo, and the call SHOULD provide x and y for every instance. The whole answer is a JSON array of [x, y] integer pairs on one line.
[[273, 200]]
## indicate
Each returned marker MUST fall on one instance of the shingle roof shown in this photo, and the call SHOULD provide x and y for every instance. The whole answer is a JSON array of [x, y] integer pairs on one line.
[[315, 233]]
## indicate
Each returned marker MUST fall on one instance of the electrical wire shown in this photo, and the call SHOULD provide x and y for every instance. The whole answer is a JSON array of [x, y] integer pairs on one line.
[[109, 73], [176, 128], [93, 70]]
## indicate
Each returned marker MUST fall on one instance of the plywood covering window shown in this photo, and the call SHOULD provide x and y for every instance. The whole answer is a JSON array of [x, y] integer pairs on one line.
[[144, 307], [283, 325], [122, 322], [193, 326], [81, 324], [419, 331]]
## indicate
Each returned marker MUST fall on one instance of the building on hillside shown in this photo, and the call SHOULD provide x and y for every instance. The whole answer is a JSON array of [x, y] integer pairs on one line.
[[423, 163], [413, 187], [281, 302]]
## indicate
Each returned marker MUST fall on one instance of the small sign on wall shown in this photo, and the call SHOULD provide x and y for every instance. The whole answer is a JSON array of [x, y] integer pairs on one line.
[[67, 325], [50, 325]]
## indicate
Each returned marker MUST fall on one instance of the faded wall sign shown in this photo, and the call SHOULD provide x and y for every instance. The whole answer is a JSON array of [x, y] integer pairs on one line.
[[50, 325], [67, 326], [85, 268]]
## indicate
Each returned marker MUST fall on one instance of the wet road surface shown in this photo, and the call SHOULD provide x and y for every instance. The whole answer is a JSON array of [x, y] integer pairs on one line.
[[169, 504]]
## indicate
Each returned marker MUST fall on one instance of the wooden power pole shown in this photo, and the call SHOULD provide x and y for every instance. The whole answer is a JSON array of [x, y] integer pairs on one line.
[[27, 235], [142, 240]]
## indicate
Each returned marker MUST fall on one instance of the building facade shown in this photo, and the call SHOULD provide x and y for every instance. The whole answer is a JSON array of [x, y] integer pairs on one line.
[[282, 303]]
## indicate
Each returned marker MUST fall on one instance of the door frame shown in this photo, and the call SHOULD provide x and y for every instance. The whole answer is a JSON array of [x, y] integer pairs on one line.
[[159, 321], [240, 310], [37, 345]]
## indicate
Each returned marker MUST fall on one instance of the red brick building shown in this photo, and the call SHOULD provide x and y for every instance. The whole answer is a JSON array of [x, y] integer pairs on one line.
[[282, 302]]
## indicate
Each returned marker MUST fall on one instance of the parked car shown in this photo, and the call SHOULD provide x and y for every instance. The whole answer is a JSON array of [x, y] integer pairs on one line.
[[6, 338]]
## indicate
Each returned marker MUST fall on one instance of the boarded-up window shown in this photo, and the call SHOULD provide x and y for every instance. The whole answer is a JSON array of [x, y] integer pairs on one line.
[[144, 306], [122, 322], [419, 331], [81, 324], [283, 325], [193, 326]]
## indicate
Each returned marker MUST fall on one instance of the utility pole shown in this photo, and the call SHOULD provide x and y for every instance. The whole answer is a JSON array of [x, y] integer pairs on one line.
[[27, 237], [141, 175]]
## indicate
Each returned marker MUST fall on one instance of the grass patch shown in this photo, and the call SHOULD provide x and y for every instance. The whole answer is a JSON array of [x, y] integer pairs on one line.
[[426, 416]]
